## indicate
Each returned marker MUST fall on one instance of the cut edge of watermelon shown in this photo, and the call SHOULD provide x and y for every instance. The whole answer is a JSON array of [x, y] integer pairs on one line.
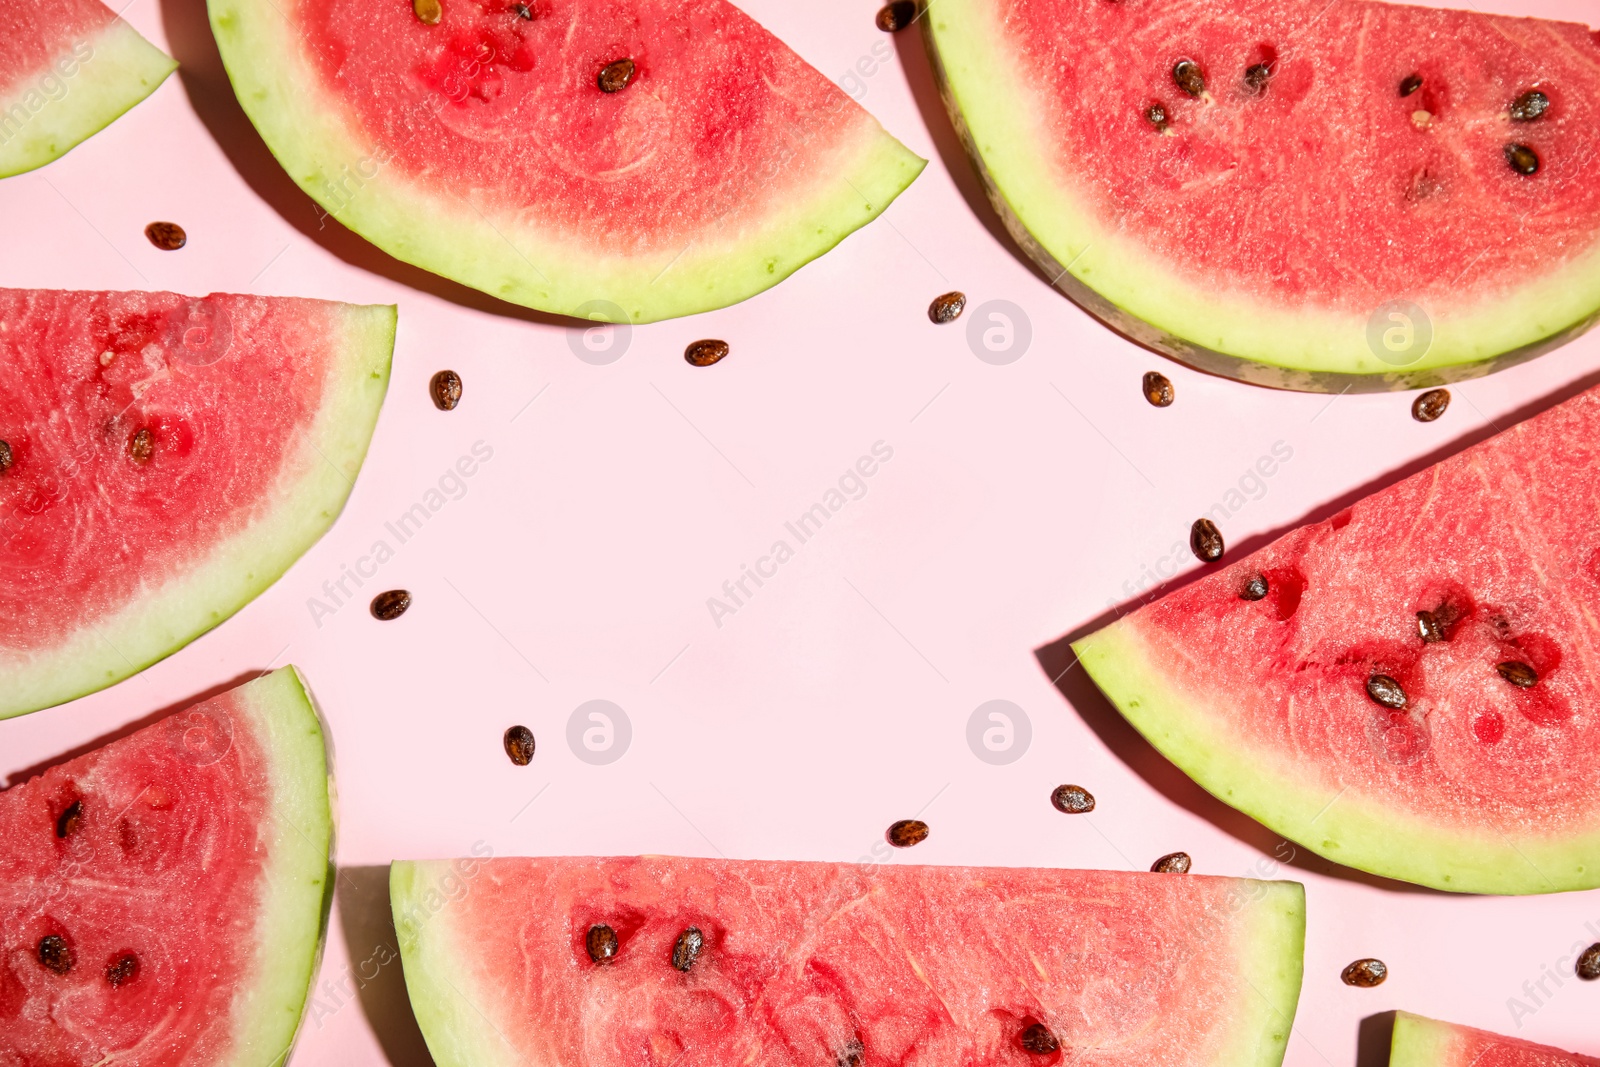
[[1141, 296], [272, 78], [240, 568], [1343, 828], [123, 69], [1419, 1041], [1271, 961]]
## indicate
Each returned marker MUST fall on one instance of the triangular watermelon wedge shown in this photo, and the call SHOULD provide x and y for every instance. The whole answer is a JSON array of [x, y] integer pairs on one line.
[[1409, 687], [162, 897], [1350, 195], [1421, 1042], [68, 68], [580, 962], [478, 139], [163, 459]]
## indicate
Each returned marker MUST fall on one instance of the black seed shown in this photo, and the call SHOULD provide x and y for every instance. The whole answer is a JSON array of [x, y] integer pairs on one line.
[[1530, 106], [167, 236], [1518, 674], [122, 969], [601, 941], [1172, 863], [705, 353], [1255, 588], [1523, 160], [1429, 628], [519, 745], [1365, 973], [907, 832], [67, 823], [1158, 389], [1038, 1039], [54, 954], [687, 948], [445, 388], [1072, 799], [1205, 541], [1188, 77], [386, 607], [1430, 405], [1257, 77], [1589, 963], [1410, 85], [896, 16], [947, 308], [616, 76], [522, 11], [5, 457], [141, 446], [1156, 115], [428, 12], [1386, 691]]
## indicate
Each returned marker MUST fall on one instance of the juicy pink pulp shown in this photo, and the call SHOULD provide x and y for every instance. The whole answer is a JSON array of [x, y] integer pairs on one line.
[[222, 384], [810, 964], [160, 863], [1479, 1048], [33, 35], [1506, 536], [1322, 190], [720, 124]]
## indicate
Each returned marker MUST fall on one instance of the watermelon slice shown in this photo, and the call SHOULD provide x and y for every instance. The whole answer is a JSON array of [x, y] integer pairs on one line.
[[67, 70], [163, 459], [474, 138], [1409, 687], [631, 962], [162, 897], [1298, 193], [1420, 1042]]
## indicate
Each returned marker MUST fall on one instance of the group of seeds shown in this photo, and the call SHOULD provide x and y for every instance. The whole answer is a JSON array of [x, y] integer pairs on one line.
[[602, 944], [53, 952]]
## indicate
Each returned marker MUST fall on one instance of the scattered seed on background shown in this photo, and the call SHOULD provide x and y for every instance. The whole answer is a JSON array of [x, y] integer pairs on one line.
[[1589, 963], [1386, 691], [896, 16], [167, 236], [445, 388], [68, 822], [1430, 405], [388, 606], [141, 446], [601, 942], [519, 745], [1156, 115], [1205, 541], [1039, 1040], [1188, 77], [54, 954], [616, 76], [1172, 863], [5, 457], [1364, 974], [1518, 674], [1429, 628], [1072, 799], [1530, 106], [947, 308], [1255, 588], [122, 969], [1523, 160], [1158, 389], [1410, 85], [705, 353], [907, 832], [687, 948], [427, 11], [1257, 77]]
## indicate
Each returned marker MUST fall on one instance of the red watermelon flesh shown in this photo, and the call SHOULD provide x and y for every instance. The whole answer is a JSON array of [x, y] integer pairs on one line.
[[1420, 1042], [1476, 783], [811, 963], [166, 458], [161, 897]]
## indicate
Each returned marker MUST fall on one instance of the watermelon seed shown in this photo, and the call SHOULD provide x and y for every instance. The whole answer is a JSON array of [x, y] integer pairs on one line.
[[1365, 973], [519, 745], [1189, 77], [67, 823], [1256, 78], [601, 941], [5, 457], [1072, 799], [687, 948], [1172, 863], [947, 308], [428, 12], [1205, 541], [1421, 118], [1158, 389], [896, 16], [1430, 405], [445, 388], [1386, 691], [1589, 963], [852, 1054], [1411, 84], [1523, 160], [122, 969], [1038, 1039], [167, 236], [1255, 589], [1518, 674], [54, 954], [522, 11], [1429, 628], [1530, 106], [141, 445], [1156, 115], [705, 353], [907, 832], [615, 76], [386, 607]]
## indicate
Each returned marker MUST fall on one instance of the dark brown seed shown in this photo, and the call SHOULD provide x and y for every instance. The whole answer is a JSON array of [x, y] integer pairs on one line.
[[522, 11], [141, 446], [1172, 863], [1430, 405], [896, 16], [1589, 963], [427, 11], [852, 1054], [122, 969], [1530, 106], [947, 308], [1205, 541], [601, 941], [1410, 85], [687, 948], [1523, 160], [1429, 628], [445, 388], [68, 821], [1256, 78], [1255, 588], [1386, 691], [1156, 115], [5, 457], [1038, 1039], [1518, 674], [386, 607], [1072, 799], [1158, 389], [907, 832], [1365, 973], [705, 353], [54, 954], [519, 745], [167, 236], [1189, 77], [616, 76]]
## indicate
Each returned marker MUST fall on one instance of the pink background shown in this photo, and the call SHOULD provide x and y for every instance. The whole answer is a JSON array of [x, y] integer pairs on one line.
[[1021, 501]]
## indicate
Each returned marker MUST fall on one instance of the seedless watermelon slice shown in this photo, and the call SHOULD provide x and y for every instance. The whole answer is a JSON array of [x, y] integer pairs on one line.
[[1420, 1042], [729, 962], [165, 458], [1330, 200], [473, 138], [1417, 693], [162, 897], [67, 70]]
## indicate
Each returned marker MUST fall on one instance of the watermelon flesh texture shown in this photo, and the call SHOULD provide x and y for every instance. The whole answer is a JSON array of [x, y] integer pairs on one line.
[[1272, 233], [482, 147], [813, 963], [1476, 784], [67, 69], [183, 870], [252, 415], [1420, 1042]]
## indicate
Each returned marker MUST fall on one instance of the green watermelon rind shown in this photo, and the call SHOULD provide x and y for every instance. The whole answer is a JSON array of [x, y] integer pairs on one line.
[[122, 70], [1340, 825], [509, 257], [1421, 1042], [1145, 299], [240, 568]]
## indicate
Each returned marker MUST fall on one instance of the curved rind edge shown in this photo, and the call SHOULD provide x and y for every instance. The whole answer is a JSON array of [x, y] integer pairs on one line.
[[1271, 963], [1420, 1042]]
